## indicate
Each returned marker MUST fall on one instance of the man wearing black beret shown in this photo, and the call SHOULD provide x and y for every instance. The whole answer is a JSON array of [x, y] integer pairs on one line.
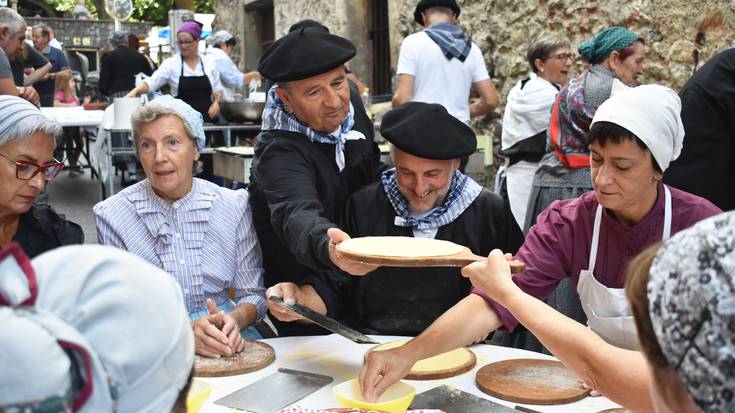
[[315, 149], [440, 64], [425, 196]]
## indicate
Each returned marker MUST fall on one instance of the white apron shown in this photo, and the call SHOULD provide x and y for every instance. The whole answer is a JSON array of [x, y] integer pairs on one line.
[[607, 309]]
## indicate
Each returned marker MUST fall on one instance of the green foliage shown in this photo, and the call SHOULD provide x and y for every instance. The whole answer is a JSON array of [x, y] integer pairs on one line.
[[143, 10]]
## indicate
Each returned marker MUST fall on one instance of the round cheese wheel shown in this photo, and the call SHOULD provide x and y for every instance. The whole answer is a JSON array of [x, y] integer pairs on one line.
[[400, 247], [449, 364]]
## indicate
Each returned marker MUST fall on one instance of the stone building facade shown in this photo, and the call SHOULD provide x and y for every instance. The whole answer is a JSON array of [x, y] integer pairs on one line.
[[87, 36], [502, 29]]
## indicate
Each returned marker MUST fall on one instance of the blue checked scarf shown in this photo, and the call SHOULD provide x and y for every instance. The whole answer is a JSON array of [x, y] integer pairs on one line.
[[462, 192], [277, 117], [451, 40]]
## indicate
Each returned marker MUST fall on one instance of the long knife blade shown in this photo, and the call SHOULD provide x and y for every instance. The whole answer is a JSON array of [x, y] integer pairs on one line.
[[324, 321]]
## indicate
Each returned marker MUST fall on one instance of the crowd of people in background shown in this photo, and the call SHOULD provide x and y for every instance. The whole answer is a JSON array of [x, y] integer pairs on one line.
[[613, 198]]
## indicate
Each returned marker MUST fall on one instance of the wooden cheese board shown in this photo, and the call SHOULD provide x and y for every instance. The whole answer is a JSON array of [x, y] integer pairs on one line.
[[412, 252], [254, 356], [532, 381]]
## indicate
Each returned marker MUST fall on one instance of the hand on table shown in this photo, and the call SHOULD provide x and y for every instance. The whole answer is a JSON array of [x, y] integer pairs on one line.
[[493, 276], [290, 294], [217, 334], [347, 265], [382, 369]]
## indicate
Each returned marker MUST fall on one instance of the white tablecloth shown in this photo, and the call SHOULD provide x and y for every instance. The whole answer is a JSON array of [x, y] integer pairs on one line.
[[74, 116], [340, 358]]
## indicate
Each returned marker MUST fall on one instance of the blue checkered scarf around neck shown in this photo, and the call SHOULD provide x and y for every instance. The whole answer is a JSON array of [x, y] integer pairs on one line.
[[462, 192], [451, 40], [277, 117]]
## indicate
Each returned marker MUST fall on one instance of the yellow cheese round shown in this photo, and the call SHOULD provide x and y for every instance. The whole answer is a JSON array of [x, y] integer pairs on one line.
[[446, 361], [399, 247]]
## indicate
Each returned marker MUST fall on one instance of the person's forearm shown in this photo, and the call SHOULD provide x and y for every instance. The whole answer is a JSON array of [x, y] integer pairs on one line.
[[481, 108], [139, 90], [36, 75], [467, 322], [621, 375], [245, 314]]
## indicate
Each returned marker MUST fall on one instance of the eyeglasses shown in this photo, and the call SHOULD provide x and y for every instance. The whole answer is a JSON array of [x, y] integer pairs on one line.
[[26, 170], [562, 56], [184, 42]]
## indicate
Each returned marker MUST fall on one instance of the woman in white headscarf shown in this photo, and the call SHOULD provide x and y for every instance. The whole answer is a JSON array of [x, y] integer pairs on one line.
[[80, 334], [200, 233], [589, 240]]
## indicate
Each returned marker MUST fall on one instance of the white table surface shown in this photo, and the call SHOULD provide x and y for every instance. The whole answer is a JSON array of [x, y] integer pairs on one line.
[[74, 116], [340, 358]]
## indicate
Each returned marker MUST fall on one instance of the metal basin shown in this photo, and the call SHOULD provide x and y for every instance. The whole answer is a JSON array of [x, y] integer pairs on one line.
[[242, 111]]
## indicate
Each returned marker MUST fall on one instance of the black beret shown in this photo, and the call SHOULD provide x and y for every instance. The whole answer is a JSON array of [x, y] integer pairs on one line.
[[428, 131], [427, 4], [307, 23], [304, 53]]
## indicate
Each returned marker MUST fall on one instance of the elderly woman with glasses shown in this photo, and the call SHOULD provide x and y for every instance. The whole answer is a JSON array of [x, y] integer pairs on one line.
[[200, 233], [27, 140], [193, 78], [527, 114]]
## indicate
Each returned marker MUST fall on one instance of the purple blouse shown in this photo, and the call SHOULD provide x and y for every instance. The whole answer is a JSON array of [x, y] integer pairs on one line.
[[558, 245]]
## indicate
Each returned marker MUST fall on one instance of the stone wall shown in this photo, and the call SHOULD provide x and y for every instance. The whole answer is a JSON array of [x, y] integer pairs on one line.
[[502, 29]]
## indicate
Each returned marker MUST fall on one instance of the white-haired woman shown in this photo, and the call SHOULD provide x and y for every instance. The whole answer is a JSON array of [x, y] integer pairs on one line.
[[200, 233], [27, 140]]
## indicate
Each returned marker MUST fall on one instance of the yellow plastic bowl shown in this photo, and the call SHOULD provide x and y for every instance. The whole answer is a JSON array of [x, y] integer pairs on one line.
[[198, 394], [395, 400]]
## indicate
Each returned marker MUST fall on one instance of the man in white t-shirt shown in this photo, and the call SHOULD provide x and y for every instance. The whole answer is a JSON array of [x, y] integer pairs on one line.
[[440, 64]]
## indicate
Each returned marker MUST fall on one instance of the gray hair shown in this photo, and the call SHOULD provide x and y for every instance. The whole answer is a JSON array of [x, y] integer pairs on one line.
[[148, 113], [543, 45], [27, 126], [11, 19]]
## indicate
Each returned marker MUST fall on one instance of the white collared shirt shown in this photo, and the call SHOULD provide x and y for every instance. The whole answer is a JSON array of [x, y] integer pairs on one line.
[[170, 70]]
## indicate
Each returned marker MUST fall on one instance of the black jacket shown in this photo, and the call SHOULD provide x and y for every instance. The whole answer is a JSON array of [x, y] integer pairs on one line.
[[41, 229], [706, 166], [405, 301], [297, 192], [118, 69]]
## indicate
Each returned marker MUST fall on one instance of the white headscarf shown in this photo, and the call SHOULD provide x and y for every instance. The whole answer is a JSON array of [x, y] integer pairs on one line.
[[650, 112], [93, 313]]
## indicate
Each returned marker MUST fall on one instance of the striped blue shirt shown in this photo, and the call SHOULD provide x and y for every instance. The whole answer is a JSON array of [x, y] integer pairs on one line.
[[205, 240]]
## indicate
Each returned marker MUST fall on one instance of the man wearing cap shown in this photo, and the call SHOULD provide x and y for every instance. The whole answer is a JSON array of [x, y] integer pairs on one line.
[[119, 67], [315, 150], [424, 196], [440, 64], [222, 45]]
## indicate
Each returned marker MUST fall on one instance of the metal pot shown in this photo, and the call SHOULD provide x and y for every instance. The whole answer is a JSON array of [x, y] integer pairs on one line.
[[242, 111]]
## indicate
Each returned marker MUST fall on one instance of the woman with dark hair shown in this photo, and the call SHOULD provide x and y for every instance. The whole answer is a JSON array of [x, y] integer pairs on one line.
[[589, 240], [134, 44]]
